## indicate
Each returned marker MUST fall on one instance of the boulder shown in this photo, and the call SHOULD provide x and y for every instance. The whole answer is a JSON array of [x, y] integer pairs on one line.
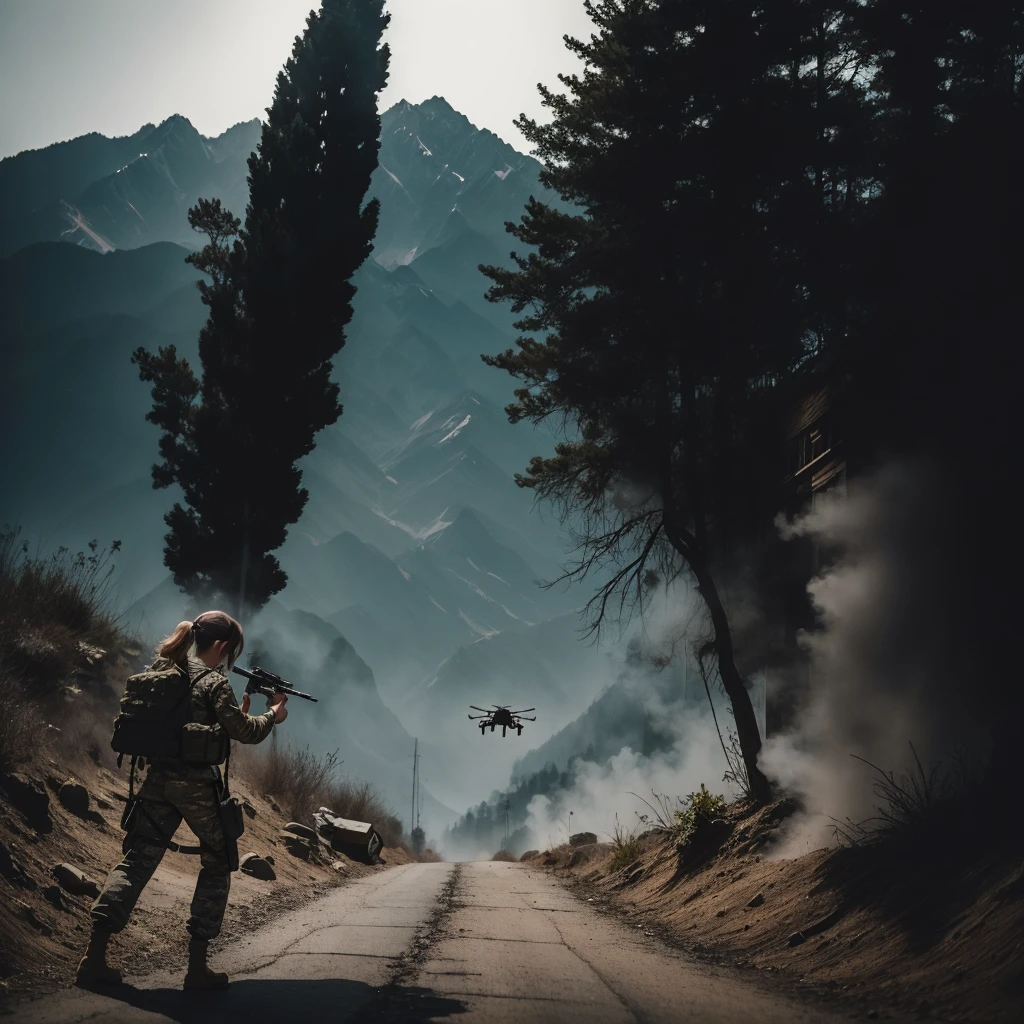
[[583, 839], [529, 855], [248, 808], [30, 798], [295, 845], [256, 866], [52, 894], [74, 797], [75, 881]]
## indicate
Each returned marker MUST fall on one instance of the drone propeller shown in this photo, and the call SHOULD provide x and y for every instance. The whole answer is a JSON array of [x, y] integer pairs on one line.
[[523, 712], [475, 708], [526, 718], [502, 707], [474, 717]]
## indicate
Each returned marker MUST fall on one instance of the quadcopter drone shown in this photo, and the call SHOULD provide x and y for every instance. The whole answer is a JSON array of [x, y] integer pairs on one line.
[[503, 717]]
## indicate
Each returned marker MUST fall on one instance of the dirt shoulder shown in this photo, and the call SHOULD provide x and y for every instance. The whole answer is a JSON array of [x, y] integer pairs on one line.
[[927, 935], [44, 928]]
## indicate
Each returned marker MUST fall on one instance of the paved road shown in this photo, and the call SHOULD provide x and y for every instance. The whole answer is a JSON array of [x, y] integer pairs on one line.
[[472, 943]]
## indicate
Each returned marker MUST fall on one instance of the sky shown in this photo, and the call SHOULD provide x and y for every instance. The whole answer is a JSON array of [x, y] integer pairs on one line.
[[68, 67]]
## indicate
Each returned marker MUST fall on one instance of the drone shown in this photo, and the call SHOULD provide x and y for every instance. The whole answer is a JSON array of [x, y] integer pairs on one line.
[[503, 717]]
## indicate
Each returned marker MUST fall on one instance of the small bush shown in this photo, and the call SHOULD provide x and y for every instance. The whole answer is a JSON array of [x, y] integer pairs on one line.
[[505, 855], [681, 821], [626, 844]]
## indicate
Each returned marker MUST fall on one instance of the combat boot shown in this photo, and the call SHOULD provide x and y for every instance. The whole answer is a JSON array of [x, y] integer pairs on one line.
[[94, 969], [199, 977]]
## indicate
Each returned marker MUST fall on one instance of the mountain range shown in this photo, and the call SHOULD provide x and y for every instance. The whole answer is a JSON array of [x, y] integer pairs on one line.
[[416, 549]]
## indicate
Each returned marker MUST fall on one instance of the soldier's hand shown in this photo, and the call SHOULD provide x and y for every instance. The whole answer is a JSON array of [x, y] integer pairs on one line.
[[245, 704], [278, 704]]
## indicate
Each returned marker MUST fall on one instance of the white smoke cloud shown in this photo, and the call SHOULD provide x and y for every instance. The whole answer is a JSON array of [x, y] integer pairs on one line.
[[880, 666], [604, 795]]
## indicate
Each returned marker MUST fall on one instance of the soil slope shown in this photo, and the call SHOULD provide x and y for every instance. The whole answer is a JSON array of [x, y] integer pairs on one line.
[[932, 935]]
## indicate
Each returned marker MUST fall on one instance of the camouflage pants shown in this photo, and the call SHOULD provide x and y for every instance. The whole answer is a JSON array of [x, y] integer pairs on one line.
[[164, 802]]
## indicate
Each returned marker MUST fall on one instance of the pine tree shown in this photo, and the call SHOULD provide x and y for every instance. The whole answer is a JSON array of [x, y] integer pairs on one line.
[[279, 300], [659, 317]]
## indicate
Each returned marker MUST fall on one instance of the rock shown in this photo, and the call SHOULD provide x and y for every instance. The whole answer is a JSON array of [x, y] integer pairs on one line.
[[248, 808], [797, 939], [12, 870], [258, 867], [303, 831], [720, 913], [583, 839], [295, 845], [269, 858], [75, 797], [52, 894], [340, 866], [30, 798], [75, 881], [757, 900], [529, 855], [273, 804]]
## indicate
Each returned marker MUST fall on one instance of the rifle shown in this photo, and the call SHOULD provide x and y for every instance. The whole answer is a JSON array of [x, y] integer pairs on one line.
[[267, 683]]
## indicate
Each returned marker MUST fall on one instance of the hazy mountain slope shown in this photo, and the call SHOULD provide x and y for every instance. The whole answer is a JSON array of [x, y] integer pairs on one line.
[[140, 201], [39, 177], [53, 283]]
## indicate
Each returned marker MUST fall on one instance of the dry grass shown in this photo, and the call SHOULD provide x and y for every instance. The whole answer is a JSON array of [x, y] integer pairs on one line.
[[505, 855], [53, 612], [302, 782]]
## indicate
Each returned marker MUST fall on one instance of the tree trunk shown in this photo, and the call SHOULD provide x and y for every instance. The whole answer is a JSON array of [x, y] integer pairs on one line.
[[747, 732], [245, 560]]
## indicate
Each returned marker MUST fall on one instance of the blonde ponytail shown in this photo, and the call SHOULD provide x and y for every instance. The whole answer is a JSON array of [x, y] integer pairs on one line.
[[175, 647]]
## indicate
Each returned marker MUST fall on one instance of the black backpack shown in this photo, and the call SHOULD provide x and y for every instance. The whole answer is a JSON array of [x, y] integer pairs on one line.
[[155, 709]]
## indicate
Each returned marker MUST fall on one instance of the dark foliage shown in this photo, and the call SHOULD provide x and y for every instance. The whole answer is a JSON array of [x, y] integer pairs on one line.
[[279, 300]]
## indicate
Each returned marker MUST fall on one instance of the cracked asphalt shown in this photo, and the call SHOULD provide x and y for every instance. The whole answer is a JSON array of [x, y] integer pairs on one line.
[[481, 942]]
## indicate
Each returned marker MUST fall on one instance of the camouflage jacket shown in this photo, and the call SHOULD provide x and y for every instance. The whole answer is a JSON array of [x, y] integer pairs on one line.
[[213, 703]]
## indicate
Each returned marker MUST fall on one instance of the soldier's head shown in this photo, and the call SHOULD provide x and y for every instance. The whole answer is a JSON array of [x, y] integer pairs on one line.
[[218, 639]]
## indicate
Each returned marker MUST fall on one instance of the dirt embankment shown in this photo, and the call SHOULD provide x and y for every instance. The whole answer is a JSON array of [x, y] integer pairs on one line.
[[44, 927], [930, 935]]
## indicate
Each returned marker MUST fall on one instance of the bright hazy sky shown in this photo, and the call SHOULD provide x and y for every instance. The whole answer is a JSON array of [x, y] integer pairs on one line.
[[68, 67]]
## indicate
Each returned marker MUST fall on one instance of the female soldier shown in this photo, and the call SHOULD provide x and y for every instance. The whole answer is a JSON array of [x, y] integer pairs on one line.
[[175, 790]]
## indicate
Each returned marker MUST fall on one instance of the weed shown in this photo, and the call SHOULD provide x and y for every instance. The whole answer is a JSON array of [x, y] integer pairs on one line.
[[626, 844], [918, 803]]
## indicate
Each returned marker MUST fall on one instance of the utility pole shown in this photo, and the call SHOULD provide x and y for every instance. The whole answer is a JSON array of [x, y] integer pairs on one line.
[[415, 773], [416, 837]]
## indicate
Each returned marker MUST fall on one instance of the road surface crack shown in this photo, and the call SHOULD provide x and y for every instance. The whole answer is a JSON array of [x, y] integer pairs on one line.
[[398, 1000]]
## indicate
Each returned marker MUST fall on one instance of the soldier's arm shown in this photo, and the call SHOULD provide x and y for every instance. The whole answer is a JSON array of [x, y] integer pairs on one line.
[[239, 726]]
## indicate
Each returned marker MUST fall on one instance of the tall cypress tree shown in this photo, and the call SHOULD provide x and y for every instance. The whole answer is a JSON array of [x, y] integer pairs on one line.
[[280, 298]]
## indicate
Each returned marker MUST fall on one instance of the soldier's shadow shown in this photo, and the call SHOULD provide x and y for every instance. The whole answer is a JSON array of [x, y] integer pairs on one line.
[[334, 999]]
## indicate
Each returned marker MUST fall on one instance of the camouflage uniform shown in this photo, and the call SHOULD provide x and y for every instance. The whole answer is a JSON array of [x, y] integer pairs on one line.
[[171, 792]]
